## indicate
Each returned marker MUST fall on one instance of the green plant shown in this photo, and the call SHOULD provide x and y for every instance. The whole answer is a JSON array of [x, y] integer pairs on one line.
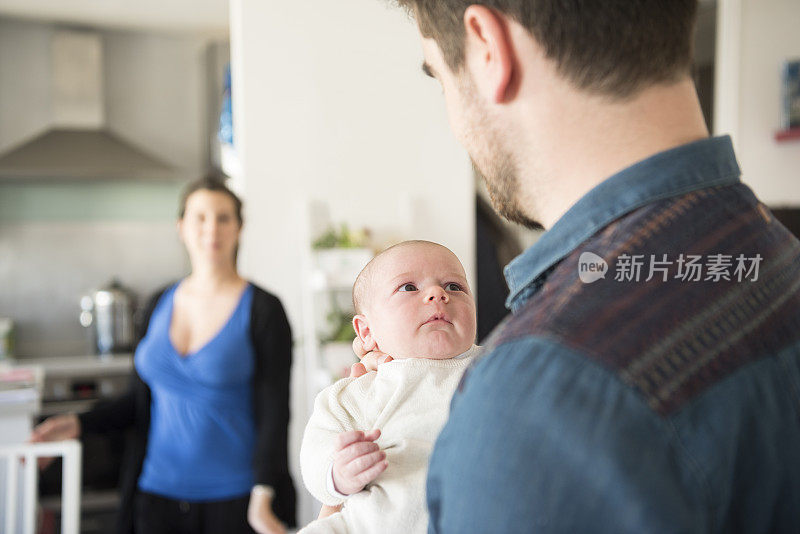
[[341, 324], [343, 238]]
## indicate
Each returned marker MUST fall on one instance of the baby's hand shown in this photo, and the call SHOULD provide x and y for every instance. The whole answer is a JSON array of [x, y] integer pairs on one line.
[[358, 461]]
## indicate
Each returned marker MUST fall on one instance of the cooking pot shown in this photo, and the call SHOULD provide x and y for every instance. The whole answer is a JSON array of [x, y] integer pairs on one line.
[[108, 313]]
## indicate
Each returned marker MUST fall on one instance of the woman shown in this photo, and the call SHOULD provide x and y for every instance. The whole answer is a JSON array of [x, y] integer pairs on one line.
[[209, 402]]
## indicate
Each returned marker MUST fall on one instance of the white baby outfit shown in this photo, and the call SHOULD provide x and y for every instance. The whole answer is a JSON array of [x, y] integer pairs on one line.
[[409, 400]]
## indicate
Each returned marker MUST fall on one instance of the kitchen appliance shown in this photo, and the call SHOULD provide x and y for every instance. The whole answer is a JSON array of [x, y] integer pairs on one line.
[[78, 142], [73, 385], [108, 313]]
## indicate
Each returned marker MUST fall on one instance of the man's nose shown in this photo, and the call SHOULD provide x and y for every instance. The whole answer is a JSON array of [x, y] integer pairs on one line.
[[436, 293]]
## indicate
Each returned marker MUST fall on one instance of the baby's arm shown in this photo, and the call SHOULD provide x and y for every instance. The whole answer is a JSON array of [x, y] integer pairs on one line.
[[334, 445]]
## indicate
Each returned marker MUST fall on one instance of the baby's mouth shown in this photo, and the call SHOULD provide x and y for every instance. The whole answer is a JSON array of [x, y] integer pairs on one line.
[[438, 318]]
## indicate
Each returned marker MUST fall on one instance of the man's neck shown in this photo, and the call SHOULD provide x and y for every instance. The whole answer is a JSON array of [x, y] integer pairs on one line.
[[586, 140]]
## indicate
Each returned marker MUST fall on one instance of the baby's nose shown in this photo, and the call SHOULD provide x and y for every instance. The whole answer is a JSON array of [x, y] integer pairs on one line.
[[436, 293]]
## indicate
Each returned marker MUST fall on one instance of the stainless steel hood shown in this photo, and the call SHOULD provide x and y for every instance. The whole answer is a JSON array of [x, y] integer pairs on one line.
[[78, 144]]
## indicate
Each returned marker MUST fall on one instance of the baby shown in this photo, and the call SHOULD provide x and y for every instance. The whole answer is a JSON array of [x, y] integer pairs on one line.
[[412, 302]]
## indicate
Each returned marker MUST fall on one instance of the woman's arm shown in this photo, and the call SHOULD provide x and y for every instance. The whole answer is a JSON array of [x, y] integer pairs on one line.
[[272, 341]]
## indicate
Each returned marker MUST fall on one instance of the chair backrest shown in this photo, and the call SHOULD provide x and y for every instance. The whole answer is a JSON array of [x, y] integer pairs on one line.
[[70, 489]]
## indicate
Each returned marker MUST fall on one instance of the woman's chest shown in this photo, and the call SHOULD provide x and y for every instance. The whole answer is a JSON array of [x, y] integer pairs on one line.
[[196, 321]]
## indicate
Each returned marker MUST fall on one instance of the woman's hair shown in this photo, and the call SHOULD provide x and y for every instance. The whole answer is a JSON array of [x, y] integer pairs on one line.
[[211, 182]]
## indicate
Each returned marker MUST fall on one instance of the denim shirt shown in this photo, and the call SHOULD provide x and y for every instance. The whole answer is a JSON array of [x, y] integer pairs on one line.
[[648, 379]]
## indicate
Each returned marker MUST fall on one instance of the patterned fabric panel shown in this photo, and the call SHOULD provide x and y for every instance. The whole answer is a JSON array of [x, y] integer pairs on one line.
[[696, 286]]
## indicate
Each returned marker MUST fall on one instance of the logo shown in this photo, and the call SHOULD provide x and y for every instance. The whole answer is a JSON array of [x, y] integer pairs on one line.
[[591, 267]]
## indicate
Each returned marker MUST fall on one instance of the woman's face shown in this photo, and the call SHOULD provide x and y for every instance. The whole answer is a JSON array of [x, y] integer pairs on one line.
[[209, 228]]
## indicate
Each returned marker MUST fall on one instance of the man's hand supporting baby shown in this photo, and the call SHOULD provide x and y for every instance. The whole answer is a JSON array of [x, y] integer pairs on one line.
[[357, 461], [371, 357]]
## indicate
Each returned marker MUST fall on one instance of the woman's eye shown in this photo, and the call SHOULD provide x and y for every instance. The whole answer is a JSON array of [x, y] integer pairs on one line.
[[407, 287], [452, 286]]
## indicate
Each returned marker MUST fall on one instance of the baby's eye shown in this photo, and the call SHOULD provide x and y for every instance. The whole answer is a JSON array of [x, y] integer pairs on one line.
[[452, 286], [407, 287]]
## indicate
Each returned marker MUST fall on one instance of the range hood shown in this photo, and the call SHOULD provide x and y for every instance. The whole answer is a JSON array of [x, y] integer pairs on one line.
[[77, 143]]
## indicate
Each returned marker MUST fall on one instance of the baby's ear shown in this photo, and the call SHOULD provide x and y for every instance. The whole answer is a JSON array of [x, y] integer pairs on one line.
[[364, 333]]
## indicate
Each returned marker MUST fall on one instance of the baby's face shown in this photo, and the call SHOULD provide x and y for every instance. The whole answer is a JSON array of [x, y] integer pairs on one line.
[[420, 305]]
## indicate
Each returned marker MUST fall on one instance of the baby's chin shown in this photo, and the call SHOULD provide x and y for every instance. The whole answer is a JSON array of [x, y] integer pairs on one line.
[[434, 349]]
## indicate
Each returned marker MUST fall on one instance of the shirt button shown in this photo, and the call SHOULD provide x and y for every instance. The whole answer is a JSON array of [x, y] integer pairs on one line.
[[184, 506]]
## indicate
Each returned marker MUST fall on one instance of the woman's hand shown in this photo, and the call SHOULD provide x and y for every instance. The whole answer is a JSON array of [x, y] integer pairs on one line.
[[358, 461], [260, 516], [370, 360], [56, 428]]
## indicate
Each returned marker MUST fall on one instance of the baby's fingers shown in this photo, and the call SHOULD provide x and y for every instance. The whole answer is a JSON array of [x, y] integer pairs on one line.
[[347, 438], [372, 435], [366, 461], [357, 369], [371, 473], [355, 450]]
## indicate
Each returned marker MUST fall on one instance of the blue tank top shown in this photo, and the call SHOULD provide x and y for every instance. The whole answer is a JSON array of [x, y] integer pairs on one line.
[[202, 430]]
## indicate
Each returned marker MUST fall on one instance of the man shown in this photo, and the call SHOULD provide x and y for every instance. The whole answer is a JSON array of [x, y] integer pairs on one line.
[[648, 379]]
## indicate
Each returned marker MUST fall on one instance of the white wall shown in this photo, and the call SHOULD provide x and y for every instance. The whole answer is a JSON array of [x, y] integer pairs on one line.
[[156, 94], [47, 266], [755, 38], [330, 103]]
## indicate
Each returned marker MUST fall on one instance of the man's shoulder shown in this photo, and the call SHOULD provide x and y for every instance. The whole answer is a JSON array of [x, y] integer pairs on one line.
[[664, 328]]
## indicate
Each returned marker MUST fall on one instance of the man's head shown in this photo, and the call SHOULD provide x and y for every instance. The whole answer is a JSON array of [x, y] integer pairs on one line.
[[413, 301], [504, 62], [613, 47]]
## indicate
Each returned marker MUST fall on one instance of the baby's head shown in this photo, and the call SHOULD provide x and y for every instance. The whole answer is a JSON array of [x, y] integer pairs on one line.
[[413, 301]]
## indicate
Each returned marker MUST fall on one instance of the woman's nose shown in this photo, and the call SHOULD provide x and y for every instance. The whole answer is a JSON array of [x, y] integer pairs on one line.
[[436, 293], [211, 227]]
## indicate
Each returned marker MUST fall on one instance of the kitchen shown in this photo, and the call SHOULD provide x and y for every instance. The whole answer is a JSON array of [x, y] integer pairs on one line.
[[321, 122]]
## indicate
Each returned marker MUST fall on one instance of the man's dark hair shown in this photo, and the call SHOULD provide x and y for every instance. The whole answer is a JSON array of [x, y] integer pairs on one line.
[[610, 47], [211, 182]]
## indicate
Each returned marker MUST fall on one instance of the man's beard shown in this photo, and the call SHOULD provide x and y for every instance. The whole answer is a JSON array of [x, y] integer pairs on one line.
[[500, 172], [503, 185]]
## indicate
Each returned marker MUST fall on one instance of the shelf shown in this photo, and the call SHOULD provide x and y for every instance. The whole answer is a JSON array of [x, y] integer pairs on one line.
[[788, 135]]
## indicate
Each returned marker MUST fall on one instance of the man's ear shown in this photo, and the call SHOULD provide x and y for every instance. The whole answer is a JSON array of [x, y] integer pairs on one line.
[[364, 333], [489, 51]]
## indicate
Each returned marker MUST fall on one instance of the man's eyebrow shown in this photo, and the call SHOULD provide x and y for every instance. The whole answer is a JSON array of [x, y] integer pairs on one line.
[[427, 69]]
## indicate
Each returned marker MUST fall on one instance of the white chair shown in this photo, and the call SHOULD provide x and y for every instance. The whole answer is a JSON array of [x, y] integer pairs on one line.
[[70, 488]]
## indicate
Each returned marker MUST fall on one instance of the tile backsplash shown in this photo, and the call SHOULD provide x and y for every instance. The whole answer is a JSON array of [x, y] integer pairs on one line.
[[45, 268]]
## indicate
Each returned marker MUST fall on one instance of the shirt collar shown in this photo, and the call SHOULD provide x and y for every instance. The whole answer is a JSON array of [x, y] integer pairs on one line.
[[701, 164]]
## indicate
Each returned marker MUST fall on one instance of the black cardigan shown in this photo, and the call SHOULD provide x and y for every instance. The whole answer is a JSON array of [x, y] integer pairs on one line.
[[272, 342]]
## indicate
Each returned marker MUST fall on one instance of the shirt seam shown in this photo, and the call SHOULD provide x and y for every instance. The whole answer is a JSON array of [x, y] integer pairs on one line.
[[693, 466], [588, 358]]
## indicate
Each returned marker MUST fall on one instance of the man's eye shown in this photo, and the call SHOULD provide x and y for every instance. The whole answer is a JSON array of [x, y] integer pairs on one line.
[[407, 287], [452, 286]]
